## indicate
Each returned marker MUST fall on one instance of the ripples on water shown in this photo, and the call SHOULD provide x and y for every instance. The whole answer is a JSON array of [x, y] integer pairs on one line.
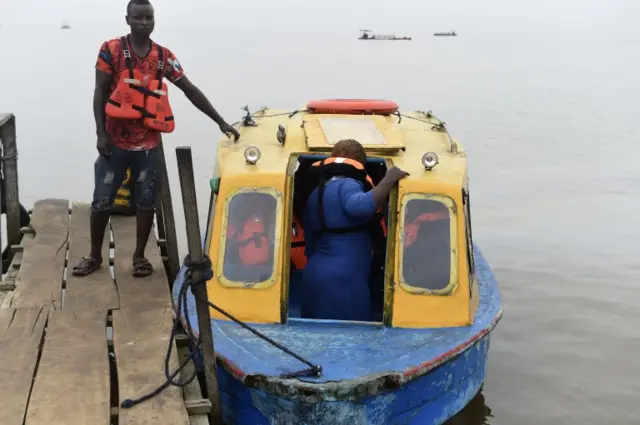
[[549, 127]]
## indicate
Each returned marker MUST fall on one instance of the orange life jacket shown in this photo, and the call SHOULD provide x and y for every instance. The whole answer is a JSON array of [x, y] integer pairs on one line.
[[135, 98], [158, 114], [298, 258], [411, 230], [127, 100], [336, 166], [252, 241]]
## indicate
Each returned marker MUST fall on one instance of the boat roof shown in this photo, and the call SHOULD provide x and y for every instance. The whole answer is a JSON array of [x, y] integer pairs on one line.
[[402, 138]]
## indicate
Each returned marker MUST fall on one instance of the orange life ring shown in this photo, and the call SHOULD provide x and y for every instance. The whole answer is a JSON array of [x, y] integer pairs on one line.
[[353, 106]]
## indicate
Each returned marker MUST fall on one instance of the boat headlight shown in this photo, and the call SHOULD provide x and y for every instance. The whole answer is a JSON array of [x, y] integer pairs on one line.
[[252, 154], [429, 160]]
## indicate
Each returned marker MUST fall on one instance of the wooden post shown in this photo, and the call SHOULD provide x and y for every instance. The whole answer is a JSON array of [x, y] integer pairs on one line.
[[3, 205], [166, 220], [194, 240], [10, 172]]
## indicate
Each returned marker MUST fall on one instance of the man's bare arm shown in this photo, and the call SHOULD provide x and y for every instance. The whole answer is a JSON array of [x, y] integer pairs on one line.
[[100, 96], [199, 100]]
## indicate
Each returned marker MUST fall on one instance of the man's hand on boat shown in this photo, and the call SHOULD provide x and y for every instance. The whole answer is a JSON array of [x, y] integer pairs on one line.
[[229, 130], [104, 144]]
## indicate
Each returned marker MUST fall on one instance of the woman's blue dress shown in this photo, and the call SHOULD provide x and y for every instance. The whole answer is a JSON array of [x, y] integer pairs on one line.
[[336, 278]]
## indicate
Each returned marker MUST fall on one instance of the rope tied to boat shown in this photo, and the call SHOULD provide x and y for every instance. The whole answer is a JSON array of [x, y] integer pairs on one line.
[[195, 355]]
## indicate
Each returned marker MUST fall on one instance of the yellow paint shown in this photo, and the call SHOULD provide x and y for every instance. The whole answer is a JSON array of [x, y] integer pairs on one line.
[[259, 303], [403, 145]]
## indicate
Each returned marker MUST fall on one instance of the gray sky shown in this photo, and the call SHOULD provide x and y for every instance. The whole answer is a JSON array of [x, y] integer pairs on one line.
[[395, 16]]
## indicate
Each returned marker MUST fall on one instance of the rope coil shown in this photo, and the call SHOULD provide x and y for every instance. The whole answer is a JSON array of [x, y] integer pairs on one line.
[[195, 354]]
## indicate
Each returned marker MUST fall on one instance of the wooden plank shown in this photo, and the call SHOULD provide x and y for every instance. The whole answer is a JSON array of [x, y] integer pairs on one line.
[[192, 393], [151, 291], [140, 338], [97, 290], [19, 346], [72, 384], [39, 281], [168, 231]]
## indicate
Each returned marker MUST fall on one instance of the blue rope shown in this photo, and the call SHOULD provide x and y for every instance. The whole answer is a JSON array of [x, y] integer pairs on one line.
[[195, 354]]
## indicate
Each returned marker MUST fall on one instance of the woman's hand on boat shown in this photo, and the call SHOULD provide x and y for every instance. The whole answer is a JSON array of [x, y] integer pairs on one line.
[[228, 130], [380, 193], [104, 145], [395, 174]]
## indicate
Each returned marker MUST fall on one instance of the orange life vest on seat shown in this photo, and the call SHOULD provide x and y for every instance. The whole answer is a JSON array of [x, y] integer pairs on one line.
[[158, 114], [336, 166], [411, 230], [252, 241], [298, 257], [127, 100]]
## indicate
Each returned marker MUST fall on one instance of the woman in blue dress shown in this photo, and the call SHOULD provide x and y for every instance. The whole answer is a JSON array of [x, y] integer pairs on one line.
[[339, 246]]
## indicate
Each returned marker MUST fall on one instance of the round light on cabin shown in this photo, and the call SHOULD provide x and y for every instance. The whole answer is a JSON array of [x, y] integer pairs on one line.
[[429, 160], [252, 154]]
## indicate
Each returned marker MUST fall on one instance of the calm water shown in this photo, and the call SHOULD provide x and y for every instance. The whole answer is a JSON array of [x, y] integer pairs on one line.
[[548, 122]]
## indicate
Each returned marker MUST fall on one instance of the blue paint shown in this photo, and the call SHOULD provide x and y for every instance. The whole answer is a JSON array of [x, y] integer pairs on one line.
[[367, 376]]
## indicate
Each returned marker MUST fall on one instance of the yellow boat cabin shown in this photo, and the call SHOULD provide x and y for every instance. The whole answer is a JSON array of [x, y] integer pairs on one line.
[[427, 276]]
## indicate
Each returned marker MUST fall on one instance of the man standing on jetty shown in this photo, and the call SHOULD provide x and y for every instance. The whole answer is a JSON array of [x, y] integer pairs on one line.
[[124, 144]]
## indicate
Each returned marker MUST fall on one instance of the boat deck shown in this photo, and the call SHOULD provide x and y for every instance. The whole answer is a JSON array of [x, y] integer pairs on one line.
[[60, 363]]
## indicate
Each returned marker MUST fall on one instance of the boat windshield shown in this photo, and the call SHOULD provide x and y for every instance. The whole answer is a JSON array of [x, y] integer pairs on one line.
[[427, 258], [250, 239]]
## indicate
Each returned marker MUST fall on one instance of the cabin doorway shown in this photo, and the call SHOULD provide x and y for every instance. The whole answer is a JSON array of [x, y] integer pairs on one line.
[[304, 182]]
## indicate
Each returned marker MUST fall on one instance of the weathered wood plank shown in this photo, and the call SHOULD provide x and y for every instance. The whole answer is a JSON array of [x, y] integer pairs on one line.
[[140, 337], [192, 392], [151, 291], [39, 281], [72, 384], [19, 346], [166, 219], [98, 290]]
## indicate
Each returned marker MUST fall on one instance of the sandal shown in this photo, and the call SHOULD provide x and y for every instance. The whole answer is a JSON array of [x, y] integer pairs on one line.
[[142, 267], [86, 266]]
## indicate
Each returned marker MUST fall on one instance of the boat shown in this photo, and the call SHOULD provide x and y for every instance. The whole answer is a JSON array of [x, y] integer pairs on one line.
[[368, 35], [65, 25], [425, 356], [446, 34]]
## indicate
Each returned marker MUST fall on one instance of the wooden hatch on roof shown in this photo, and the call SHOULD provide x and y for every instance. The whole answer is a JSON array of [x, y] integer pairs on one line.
[[376, 133]]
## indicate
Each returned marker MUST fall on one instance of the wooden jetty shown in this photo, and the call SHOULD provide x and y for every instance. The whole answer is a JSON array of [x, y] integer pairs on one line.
[[73, 348]]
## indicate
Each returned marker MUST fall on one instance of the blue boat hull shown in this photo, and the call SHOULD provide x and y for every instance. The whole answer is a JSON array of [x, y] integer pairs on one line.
[[431, 399], [372, 375]]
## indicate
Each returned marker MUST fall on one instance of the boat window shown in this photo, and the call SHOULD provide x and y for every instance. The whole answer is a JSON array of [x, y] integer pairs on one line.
[[251, 235], [428, 256]]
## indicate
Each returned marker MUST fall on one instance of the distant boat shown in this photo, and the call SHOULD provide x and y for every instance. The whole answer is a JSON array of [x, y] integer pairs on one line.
[[65, 26], [368, 35], [445, 34]]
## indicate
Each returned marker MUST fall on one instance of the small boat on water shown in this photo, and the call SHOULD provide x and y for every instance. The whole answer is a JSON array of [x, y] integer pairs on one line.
[[368, 35], [65, 25], [424, 357], [446, 34]]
